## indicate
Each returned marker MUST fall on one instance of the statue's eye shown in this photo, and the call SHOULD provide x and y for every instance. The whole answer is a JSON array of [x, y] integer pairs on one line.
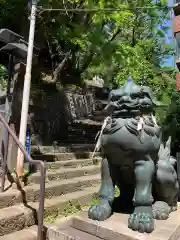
[[114, 98], [135, 95]]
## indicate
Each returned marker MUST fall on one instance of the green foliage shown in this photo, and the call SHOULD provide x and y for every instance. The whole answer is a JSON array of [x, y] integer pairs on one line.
[[171, 122], [138, 51], [12, 14], [3, 77], [164, 87], [112, 44]]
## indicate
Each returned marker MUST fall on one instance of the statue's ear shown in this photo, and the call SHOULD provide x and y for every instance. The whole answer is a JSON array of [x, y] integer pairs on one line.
[[165, 151], [161, 149], [168, 143], [168, 146]]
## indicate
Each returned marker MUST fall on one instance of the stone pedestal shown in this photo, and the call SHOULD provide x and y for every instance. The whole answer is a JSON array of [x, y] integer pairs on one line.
[[115, 228]]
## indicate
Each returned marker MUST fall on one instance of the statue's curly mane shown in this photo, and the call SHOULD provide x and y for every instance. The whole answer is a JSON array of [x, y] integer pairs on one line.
[[131, 98]]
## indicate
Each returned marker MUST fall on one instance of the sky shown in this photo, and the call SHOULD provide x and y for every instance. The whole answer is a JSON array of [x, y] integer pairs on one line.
[[169, 38]]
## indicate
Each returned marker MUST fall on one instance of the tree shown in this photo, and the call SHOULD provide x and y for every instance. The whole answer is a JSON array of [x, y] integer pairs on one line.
[[112, 44], [3, 77], [13, 14], [140, 51], [171, 123]]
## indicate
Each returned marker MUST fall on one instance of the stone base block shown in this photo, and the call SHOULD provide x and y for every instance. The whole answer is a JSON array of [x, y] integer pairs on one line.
[[116, 228]]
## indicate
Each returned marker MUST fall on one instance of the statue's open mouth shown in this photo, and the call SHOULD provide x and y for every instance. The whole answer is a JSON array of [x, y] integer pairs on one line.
[[131, 107]]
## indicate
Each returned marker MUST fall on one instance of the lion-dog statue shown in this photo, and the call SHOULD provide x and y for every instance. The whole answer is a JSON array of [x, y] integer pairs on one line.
[[135, 160]]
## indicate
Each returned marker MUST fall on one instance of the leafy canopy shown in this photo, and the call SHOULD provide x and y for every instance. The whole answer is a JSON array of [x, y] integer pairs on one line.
[[112, 44]]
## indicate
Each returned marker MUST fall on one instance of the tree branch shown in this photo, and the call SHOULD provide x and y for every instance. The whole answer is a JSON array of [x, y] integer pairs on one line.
[[59, 68], [134, 31], [91, 53]]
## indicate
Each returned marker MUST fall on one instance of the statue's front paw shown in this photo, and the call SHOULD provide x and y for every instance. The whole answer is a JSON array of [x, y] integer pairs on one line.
[[141, 220], [100, 211], [161, 210]]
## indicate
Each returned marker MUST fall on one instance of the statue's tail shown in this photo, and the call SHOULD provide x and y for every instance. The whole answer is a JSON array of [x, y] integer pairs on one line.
[[166, 174]]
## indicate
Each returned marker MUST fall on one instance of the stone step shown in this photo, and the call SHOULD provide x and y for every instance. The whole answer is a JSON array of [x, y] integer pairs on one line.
[[53, 188], [9, 198], [76, 138], [88, 123], [52, 157], [29, 233], [83, 223], [63, 228], [69, 233], [63, 148], [51, 166], [57, 205], [66, 173], [17, 217], [57, 188]]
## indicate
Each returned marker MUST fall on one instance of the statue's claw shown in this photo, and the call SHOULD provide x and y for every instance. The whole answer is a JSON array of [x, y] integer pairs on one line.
[[161, 210], [100, 211], [141, 220]]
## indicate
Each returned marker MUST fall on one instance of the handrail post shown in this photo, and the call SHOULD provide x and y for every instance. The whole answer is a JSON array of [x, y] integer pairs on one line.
[[42, 181], [41, 204]]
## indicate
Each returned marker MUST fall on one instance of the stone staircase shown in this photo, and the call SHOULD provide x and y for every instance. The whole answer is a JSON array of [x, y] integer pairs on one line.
[[72, 181], [82, 131]]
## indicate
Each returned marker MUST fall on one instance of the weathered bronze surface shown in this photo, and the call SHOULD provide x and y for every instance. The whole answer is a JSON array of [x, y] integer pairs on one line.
[[136, 161]]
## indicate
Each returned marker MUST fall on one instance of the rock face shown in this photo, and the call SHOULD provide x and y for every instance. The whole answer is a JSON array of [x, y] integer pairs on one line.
[[135, 160]]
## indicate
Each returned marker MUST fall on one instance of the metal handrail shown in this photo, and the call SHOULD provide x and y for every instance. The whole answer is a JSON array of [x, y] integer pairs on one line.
[[42, 180]]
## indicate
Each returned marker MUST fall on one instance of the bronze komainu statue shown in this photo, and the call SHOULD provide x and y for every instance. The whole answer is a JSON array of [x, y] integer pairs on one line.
[[135, 160]]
